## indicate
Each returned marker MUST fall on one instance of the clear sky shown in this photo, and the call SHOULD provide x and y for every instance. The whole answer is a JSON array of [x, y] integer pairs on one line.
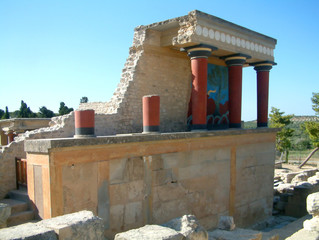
[[62, 50]]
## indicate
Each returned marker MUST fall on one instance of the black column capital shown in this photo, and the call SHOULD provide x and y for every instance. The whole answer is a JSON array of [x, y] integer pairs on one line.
[[263, 66], [199, 51], [238, 59]]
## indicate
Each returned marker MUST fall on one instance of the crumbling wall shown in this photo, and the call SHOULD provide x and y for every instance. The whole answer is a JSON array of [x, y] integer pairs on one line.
[[149, 69], [7, 166], [60, 127]]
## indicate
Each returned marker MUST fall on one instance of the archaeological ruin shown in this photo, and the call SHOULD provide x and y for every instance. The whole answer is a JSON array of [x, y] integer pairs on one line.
[[170, 141]]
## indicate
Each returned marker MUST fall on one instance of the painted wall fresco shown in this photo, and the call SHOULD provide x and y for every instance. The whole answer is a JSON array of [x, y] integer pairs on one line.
[[217, 98]]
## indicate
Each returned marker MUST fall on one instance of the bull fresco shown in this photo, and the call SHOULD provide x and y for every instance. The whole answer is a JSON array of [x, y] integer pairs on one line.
[[217, 98]]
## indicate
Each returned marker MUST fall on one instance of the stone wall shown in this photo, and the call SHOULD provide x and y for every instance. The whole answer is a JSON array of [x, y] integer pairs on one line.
[[149, 69], [130, 181], [62, 126]]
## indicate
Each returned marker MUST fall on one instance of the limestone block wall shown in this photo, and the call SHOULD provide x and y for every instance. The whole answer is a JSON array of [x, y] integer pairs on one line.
[[60, 127], [7, 166], [253, 169], [150, 69], [130, 181]]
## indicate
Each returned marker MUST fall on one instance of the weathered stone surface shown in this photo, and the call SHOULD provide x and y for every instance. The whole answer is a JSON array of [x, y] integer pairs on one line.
[[285, 188], [299, 178], [226, 223], [303, 184], [313, 204], [313, 180], [237, 234], [312, 224], [304, 235], [80, 225], [5, 212], [189, 226], [28, 231], [287, 177], [150, 232], [310, 172]]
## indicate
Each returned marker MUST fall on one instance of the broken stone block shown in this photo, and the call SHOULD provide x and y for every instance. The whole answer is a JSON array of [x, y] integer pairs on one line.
[[312, 224], [226, 223], [237, 234], [287, 177], [77, 225], [150, 232], [304, 235], [188, 226], [28, 231], [303, 184], [313, 180], [5, 212], [313, 204], [299, 178], [285, 188]]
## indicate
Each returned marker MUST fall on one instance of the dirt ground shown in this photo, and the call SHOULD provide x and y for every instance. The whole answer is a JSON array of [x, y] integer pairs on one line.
[[294, 167]]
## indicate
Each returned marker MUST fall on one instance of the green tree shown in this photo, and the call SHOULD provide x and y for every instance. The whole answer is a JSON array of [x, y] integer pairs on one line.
[[45, 113], [84, 100], [14, 114], [283, 138], [6, 115], [25, 111], [315, 102], [312, 129], [64, 109], [1, 113]]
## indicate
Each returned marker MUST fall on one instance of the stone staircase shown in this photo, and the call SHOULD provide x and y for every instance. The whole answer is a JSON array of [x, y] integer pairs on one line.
[[21, 211]]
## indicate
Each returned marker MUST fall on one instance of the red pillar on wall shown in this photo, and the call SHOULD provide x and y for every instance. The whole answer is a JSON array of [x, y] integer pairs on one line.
[[84, 123], [262, 70], [199, 55], [151, 114], [235, 68], [10, 136]]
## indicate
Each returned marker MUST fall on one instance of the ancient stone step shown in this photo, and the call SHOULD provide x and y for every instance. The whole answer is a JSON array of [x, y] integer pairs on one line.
[[20, 217], [20, 195], [16, 205]]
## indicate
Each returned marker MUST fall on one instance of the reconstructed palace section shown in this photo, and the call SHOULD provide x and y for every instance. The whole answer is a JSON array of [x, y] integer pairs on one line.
[[194, 63], [132, 180]]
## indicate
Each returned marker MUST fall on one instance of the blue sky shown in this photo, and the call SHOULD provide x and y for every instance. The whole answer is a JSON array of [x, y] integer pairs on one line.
[[53, 51]]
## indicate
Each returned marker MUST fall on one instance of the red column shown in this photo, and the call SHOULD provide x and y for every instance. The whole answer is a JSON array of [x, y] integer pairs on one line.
[[151, 113], [199, 55], [262, 93], [10, 136], [235, 68], [84, 123], [199, 92]]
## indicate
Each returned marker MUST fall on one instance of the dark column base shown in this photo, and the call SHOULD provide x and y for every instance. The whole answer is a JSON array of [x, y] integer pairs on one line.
[[147, 129], [84, 131], [235, 125], [262, 124], [199, 127]]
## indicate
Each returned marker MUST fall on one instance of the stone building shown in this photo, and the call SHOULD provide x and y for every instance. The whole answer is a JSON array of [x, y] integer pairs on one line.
[[9, 128], [194, 63]]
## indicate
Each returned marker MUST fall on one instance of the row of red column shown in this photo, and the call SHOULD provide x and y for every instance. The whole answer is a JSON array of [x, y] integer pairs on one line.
[[199, 55]]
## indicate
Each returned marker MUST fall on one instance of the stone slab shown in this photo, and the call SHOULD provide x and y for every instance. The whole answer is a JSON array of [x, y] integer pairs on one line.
[[237, 234], [5, 212], [150, 232], [28, 231], [43, 145], [79, 225]]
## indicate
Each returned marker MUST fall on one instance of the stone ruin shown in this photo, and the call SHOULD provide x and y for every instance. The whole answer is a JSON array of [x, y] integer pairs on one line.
[[130, 179]]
